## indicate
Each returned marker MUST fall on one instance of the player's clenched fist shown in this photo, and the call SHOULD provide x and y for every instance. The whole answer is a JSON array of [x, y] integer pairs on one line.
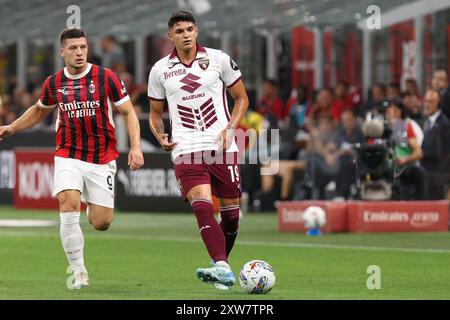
[[5, 131]]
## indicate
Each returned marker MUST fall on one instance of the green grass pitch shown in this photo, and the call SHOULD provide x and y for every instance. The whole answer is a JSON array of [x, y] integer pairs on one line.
[[154, 256]]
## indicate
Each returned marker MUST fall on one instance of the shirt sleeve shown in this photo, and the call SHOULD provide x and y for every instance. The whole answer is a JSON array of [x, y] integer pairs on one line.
[[46, 100], [410, 133], [230, 72], [155, 90], [117, 91]]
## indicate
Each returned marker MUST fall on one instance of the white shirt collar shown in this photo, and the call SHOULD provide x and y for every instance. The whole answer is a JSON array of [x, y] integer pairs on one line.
[[200, 53], [434, 117], [77, 76]]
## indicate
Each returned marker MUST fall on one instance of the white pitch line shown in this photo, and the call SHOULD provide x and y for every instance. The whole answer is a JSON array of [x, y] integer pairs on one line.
[[296, 244], [240, 242]]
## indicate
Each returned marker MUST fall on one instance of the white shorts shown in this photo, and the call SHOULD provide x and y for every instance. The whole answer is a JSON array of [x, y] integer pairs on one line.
[[94, 181]]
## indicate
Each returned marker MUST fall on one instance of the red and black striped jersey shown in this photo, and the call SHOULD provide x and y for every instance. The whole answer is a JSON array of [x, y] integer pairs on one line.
[[85, 126]]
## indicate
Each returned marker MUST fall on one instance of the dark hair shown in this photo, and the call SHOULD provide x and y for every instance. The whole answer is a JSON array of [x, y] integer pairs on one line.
[[110, 38], [328, 89], [72, 33], [395, 85], [440, 68], [272, 82], [344, 83], [438, 93], [405, 94], [180, 16], [302, 93], [397, 102]]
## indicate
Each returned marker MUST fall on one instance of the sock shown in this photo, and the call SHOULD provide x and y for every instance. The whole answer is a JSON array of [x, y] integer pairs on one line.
[[72, 240], [229, 225], [223, 263], [210, 230]]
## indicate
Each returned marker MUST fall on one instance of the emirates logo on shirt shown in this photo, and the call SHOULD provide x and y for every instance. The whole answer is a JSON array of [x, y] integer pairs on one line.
[[198, 119], [190, 83]]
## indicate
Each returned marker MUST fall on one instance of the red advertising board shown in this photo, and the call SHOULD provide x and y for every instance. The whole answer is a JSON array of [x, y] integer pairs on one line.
[[34, 179], [397, 216], [290, 215]]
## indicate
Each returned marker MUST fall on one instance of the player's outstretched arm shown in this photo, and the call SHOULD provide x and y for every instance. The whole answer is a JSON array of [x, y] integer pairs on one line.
[[135, 156], [157, 125], [30, 118], [240, 97]]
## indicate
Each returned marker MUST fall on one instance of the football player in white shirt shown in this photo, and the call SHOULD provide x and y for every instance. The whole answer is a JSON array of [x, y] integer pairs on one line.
[[194, 81]]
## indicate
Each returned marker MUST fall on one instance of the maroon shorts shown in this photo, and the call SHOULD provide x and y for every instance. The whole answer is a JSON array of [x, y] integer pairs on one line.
[[221, 172]]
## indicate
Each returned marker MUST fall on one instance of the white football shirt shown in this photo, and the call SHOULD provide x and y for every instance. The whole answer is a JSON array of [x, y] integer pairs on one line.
[[196, 95]]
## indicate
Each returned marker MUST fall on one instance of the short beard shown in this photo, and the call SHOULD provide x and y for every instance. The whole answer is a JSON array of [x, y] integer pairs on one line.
[[76, 67]]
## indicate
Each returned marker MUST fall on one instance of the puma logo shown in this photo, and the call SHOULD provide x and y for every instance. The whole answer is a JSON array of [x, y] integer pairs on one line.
[[203, 228]]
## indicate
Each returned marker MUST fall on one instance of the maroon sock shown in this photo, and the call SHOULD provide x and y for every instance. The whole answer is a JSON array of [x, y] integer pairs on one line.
[[229, 225], [210, 231]]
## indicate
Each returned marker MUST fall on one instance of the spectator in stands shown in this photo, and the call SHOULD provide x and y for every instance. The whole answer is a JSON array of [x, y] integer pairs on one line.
[[348, 134], [291, 137], [411, 87], [6, 113], [341, 101], [16, 96], [292, 140], [393, 90], [439, 82], [413, 106], [321, 108], [435, 145], [377, 94], [407, 137], [137, 92], [298, 112], [113, 55], [322, 158], [270, 102], [92, 56]]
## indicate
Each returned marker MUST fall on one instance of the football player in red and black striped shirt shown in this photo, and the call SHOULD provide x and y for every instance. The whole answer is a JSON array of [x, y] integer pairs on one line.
[[85, 95]]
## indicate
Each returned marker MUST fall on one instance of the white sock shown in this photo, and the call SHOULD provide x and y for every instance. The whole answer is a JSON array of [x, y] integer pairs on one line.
[[72, 240], [223, 263]]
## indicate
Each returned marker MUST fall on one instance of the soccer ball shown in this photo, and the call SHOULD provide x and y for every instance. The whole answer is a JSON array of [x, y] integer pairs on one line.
[[257, 276], [314, 217]]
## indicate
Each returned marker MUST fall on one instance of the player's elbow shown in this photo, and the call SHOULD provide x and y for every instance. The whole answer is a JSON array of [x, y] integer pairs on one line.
[[419, 154], [244, 102]]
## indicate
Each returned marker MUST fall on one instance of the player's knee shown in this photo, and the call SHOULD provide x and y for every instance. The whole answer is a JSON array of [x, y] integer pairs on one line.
[[102, 224], [68, 202], [230, 215], [69, 206], [233, 218]]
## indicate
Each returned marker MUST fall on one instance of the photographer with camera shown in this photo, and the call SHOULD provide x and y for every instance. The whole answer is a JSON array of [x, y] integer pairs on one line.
[[406, 139]]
